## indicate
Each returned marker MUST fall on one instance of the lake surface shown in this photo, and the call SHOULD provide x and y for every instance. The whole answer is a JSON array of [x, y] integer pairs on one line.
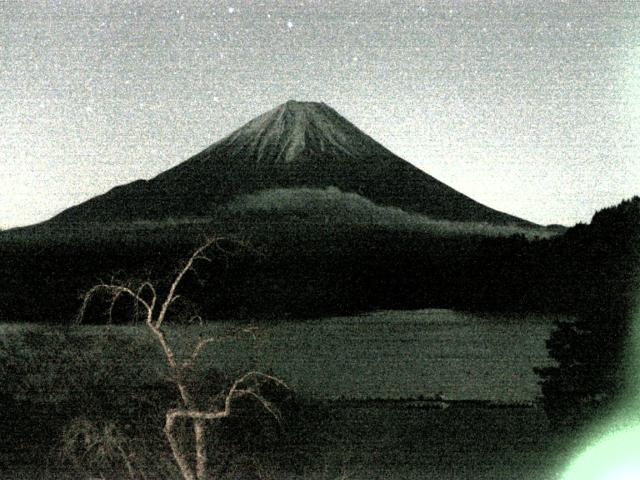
[[394, 354], [388, 354]]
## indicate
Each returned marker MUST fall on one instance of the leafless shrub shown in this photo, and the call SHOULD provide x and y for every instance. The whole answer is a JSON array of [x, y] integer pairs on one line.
[[154, 309]]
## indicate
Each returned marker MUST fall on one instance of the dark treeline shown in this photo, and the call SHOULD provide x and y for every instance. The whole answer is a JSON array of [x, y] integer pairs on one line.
[[593, 370], [304, 269]]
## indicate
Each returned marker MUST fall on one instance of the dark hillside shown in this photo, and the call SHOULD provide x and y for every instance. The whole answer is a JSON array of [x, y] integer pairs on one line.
[[301, 267]]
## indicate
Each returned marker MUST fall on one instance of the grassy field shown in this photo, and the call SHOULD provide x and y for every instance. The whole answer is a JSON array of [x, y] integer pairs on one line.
[[403, 443], [455, 443]]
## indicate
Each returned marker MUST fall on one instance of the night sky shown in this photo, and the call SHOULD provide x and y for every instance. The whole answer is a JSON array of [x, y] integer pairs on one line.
[[529, 107]]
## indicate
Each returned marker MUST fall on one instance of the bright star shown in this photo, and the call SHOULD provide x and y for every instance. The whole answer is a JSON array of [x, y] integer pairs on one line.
[[289, 24]]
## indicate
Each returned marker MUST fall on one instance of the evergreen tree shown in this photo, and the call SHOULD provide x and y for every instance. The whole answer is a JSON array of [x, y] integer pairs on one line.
[[589, 351]]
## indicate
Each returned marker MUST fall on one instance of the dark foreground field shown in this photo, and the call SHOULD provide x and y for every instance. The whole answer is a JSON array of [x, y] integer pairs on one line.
[[396, 441], [73, 397], [472, 442]]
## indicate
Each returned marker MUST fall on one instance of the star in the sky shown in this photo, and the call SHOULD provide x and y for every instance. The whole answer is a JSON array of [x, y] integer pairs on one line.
[[289, 24]]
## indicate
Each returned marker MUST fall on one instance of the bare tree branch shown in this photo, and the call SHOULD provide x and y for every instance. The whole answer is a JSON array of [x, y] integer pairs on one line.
[[198, 348], [268, 406], [183, 465], [114, 299], [154, 320], [154, 296], [174, 285], [202, 343], [116, 291]]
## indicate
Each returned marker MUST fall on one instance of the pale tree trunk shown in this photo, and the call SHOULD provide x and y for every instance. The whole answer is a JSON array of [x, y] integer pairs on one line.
[[178, 456], [199, 429]]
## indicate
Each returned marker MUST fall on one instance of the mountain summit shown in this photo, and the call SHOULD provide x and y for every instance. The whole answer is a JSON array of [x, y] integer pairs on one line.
[[294, 130], [297, 144]]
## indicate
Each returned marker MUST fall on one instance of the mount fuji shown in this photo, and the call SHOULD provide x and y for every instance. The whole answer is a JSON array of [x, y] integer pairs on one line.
[[296, 145]]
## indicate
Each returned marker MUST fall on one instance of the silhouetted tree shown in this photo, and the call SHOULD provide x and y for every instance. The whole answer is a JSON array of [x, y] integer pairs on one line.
[[589, 351]]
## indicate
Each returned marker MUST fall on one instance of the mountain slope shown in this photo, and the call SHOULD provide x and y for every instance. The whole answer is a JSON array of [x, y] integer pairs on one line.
[[298, 144]]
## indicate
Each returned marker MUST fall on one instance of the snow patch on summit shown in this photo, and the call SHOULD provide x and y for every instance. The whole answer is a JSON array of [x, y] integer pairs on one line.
[[283, 134]]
